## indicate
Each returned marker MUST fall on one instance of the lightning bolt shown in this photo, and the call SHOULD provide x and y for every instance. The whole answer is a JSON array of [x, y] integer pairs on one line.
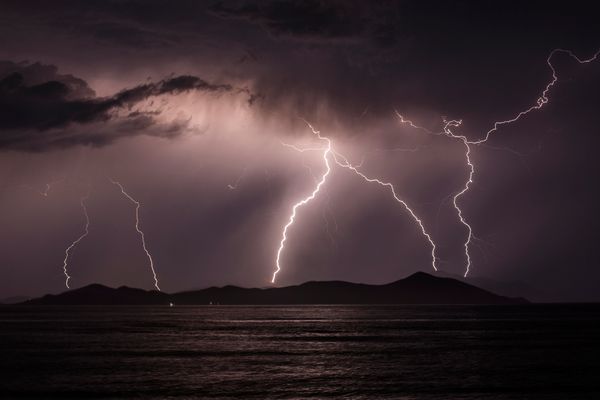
[[327, 208], [447, 126], [137, 228], [306, 200], [82, 201], [541, 101], [343, 162]]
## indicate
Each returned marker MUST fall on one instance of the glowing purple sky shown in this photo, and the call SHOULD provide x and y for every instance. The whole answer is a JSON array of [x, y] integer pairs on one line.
[[187, 104]]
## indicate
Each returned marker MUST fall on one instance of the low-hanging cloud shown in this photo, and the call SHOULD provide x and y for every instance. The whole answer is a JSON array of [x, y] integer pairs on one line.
[[40, 108]]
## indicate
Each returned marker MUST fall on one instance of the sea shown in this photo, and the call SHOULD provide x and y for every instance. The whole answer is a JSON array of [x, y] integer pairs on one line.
[[534, 351]]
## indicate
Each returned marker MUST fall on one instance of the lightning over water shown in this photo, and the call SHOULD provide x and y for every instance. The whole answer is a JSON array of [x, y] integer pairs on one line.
[[404, 101], [457, 196], [343, 162], [252, 199], [137, 228], [326, 153], [86, 231], [448, 125]]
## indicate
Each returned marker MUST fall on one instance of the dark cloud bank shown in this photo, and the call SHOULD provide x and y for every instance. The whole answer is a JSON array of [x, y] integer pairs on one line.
[[37, 105]]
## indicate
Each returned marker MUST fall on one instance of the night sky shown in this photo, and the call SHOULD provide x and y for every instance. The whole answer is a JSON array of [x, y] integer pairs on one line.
[[189, 104]]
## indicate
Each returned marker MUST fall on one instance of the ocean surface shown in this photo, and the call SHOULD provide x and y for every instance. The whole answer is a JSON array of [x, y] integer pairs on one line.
[[301, 352]]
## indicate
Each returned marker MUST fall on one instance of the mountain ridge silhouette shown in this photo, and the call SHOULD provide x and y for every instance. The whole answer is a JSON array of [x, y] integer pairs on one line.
[[418, 288]]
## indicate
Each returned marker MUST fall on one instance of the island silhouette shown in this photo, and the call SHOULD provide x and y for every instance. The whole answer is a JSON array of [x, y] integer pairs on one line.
[[418, 288]]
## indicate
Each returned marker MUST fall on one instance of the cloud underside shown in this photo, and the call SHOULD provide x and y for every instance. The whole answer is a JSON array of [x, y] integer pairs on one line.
[[41, 109]]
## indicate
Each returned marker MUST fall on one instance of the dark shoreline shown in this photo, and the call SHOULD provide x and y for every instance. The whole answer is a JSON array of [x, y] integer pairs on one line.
[[419, 288]]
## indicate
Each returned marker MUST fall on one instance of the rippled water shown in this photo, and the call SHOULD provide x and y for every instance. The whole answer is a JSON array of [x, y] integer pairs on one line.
[[361, 352]]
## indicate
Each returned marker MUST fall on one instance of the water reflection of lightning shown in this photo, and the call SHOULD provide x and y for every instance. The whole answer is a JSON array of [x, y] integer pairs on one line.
[[137, 228], [82, 201], [449, 125]]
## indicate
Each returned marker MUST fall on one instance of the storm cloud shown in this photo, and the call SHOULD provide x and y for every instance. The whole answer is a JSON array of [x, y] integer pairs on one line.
[[40, 108], [246, 74]]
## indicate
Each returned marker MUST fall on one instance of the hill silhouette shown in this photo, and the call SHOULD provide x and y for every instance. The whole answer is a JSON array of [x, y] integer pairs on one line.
[[419, 288]]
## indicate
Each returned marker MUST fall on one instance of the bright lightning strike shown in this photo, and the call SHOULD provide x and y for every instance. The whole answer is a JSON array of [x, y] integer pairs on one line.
[[326, 152], [137, 228], [447, 131], [82, 201], [343, 162], [465, 189]]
